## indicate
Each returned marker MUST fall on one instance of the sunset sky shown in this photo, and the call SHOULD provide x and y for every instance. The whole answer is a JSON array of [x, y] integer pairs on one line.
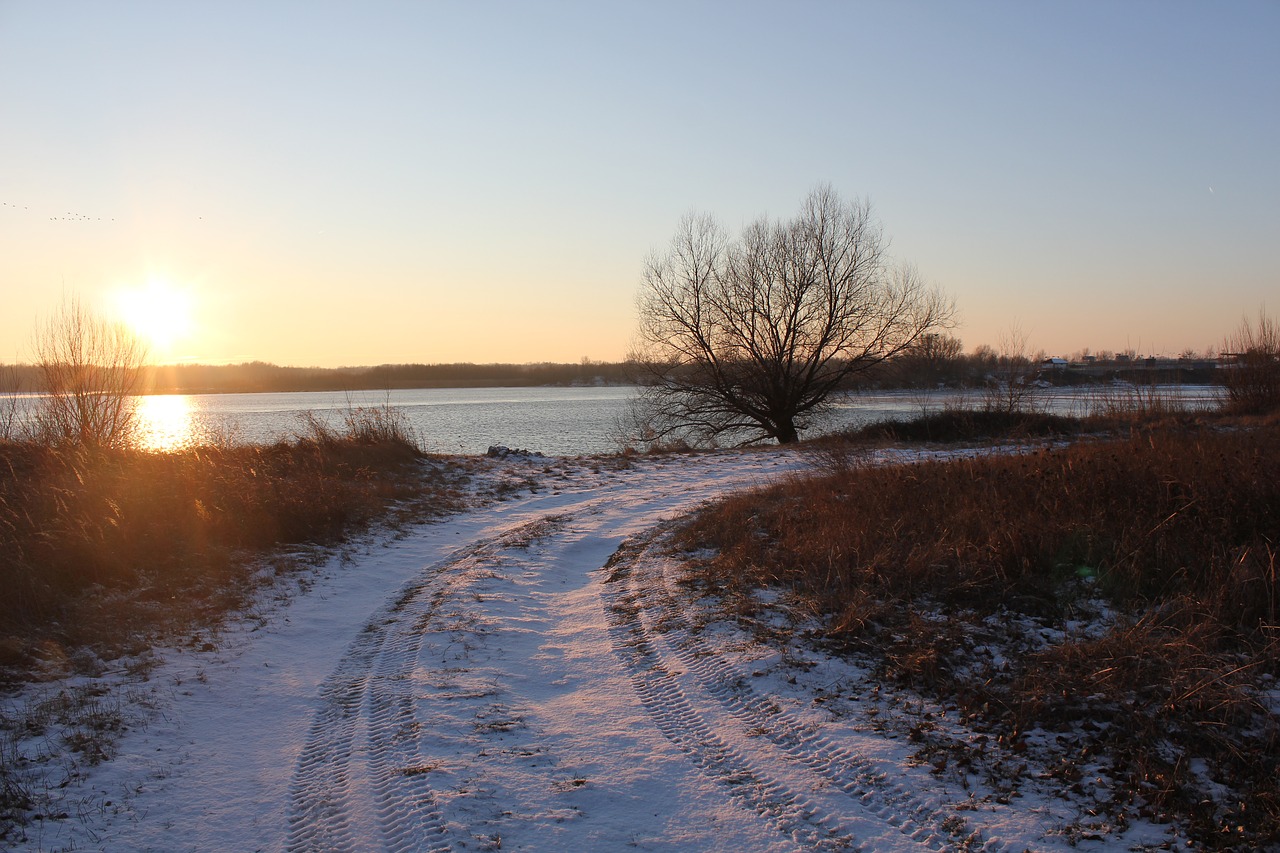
[[324, 183]]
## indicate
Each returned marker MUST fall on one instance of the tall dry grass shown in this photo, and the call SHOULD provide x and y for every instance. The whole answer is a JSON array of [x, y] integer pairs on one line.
[[1162, 513], [383, 424], [173, 536], [1178, 528]]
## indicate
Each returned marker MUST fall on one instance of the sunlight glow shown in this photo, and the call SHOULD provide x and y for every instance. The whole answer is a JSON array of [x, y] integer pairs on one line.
[[165, 422], [160, 314]]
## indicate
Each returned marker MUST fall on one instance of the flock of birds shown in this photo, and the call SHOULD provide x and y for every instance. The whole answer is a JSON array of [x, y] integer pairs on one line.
[[70, 216]]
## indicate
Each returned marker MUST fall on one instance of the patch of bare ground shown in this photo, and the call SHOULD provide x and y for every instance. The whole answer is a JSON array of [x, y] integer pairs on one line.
[[1102, 616]]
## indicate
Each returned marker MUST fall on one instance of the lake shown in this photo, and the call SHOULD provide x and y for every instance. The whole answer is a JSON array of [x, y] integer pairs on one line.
[[556, 421]]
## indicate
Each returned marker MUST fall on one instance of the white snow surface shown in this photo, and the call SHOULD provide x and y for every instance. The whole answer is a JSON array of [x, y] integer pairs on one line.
[[502, 680]]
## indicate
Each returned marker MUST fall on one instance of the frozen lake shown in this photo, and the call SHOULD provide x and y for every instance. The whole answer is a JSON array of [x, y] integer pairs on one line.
[[557, 421]]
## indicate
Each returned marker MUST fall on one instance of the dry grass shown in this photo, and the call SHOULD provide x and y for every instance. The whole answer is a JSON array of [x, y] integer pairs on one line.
[[99, 546], [1177, 528], [961, 424], [1137, 404]]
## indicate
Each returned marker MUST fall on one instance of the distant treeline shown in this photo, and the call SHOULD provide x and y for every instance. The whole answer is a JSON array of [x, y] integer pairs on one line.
[[920, 368], [258, 376], [928, 366]]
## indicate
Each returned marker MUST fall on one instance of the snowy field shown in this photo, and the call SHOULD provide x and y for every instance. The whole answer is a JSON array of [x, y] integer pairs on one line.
[[529, 675]]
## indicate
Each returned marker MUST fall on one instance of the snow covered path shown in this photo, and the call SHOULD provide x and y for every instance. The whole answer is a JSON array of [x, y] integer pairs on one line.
[[487, 704], [522, 676]]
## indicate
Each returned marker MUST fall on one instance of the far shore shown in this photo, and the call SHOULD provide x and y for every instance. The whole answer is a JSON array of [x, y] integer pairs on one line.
[[259, 377]]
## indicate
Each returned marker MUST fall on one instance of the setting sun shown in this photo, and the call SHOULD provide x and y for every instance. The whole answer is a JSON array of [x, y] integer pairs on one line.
[[159, 313]]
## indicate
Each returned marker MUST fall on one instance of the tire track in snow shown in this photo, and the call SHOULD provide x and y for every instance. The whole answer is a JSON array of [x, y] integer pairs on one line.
[[847, 770], [322, 817], [362, 777], [391, 760], [641, 599], [404, 801], [362, 746], [678, 719]]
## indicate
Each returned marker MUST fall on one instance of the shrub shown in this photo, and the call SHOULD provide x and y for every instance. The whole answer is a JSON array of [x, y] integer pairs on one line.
[[1252, 378], [90, 369]]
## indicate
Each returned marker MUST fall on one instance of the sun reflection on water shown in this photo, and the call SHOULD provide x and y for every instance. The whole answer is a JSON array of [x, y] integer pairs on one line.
[[165, 422]]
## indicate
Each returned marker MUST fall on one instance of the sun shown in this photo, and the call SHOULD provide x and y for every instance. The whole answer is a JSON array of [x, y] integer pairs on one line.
[[160, 314]]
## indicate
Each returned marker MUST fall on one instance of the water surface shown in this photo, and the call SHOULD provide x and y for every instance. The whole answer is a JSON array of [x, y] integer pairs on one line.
[[555, 421]]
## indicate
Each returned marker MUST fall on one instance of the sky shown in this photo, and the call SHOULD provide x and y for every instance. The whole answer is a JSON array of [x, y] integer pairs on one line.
[[338, 184]]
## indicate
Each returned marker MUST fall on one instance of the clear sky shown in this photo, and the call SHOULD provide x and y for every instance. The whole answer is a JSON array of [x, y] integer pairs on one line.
[[342, 183]]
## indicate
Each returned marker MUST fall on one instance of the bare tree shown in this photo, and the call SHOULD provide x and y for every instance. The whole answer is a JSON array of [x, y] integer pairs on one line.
[[1252, 373], [90, 369], [748, 338], [932, 360], [1009, 385]]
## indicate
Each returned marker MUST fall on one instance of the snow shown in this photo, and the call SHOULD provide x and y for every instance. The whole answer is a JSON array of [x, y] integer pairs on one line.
[[529, 675]]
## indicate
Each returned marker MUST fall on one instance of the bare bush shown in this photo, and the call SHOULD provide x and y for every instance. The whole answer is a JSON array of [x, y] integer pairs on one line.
[[1137, 403], [1252, 376], [90, 369], [1010, 385]]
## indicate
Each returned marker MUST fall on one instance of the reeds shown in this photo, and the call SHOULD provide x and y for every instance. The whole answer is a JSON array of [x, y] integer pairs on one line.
[[384, 425], [84, 526]]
